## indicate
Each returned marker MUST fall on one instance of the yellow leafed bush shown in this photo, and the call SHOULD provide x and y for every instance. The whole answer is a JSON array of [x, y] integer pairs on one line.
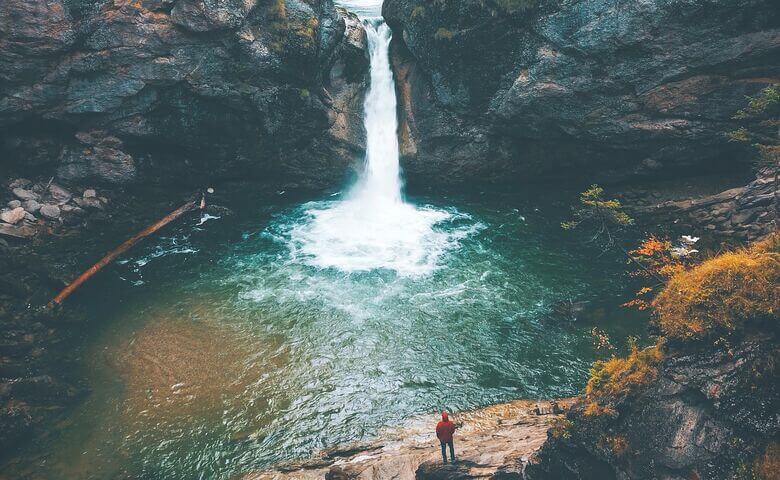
[[621, 376], [723, 294]]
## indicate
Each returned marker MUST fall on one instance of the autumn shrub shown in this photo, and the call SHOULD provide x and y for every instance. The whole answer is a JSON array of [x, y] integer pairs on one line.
[[621, 376], [723, 295]]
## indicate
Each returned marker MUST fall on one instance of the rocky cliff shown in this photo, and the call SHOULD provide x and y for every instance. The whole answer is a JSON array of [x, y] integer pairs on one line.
[[711, 414], [518, 89], [703, 402], [117, 91]]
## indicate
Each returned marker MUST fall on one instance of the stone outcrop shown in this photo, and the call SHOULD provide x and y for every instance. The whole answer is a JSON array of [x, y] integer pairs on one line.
[[517, 90], [494, 442], [120, 91], [712, 413], [743, 213]]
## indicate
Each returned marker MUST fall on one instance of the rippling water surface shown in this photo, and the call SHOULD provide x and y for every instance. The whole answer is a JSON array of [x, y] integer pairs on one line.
[[223, 347]]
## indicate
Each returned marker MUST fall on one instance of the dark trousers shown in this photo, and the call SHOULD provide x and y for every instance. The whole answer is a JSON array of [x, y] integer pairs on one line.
[[444, 451]]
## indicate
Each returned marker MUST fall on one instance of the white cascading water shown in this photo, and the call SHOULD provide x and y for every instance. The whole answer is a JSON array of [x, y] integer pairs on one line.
[[380, 182], [372, 227]]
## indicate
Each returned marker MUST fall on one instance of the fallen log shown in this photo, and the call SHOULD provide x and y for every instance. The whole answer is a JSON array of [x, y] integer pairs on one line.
[[113, 254]]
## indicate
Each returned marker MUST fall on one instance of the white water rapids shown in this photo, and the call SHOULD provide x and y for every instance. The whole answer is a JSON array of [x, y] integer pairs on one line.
[[372, 227]]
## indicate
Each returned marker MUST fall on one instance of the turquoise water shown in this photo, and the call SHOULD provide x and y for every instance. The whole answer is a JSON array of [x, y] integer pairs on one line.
[[223, 347]]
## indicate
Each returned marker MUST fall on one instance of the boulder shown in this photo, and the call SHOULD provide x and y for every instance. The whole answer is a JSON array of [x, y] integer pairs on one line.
[[89, 193], [31, 206], [60, 194], [51, 212], [16, 231], [89, 203], [14, 204], [24, 194], [12, 216], [710, 412]]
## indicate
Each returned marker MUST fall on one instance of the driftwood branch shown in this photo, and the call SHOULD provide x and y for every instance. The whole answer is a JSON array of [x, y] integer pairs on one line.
[[113, 254]]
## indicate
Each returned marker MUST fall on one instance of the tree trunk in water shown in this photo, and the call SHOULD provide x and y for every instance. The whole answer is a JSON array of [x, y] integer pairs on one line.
[[113, 254]]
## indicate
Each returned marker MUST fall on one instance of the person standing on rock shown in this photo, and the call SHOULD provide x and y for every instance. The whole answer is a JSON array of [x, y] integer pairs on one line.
[[444, 431]]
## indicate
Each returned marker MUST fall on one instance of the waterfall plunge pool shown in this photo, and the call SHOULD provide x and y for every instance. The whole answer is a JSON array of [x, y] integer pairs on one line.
[[233, 343], [224, 347]]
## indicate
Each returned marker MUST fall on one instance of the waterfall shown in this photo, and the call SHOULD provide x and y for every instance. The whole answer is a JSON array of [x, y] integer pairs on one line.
[[380, 183], [372, 227]]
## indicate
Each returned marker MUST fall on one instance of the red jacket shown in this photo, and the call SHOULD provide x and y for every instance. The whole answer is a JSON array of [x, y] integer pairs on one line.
[[445, 429]]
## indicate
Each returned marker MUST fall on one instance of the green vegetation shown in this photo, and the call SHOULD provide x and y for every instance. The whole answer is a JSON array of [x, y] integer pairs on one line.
[[308, 31], [723, 295], [761, 126], [599, 213]]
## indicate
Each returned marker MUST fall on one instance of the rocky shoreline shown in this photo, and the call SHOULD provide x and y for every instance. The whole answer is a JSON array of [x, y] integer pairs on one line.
[[495, 442]]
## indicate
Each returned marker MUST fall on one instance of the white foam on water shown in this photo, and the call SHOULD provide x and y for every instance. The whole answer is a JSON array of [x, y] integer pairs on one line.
[[373, 227]]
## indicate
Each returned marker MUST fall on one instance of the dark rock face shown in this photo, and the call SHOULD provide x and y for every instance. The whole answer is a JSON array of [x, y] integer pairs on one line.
[[519, 90], [710, 414], [745, 213], [118, 91]]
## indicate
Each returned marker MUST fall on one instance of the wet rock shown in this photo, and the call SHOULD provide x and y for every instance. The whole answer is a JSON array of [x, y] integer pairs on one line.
[[51, 212], [711, 411], [183, 91], [508, 91], [89, 203], [60, 194], [743, 213], [14, 204], [30, 217], [16, 231], [31, 206], [12, 216], [24, 194], [218, 210]]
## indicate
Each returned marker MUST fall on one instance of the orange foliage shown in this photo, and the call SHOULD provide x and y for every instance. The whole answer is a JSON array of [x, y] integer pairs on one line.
[[723, 294], [652, 246], [621, 376]]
